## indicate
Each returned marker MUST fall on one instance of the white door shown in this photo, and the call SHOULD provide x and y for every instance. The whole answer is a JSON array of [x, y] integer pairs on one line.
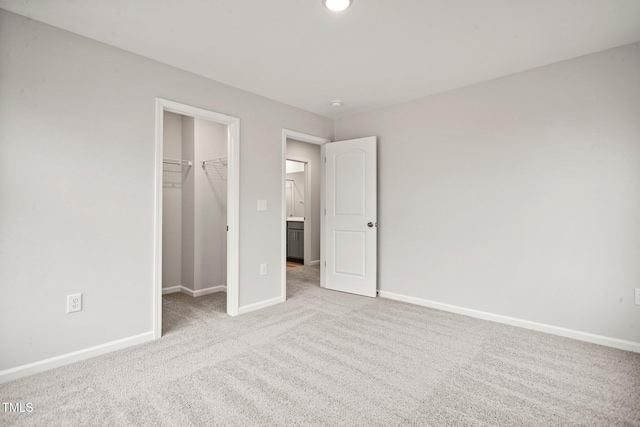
[[351, 216]]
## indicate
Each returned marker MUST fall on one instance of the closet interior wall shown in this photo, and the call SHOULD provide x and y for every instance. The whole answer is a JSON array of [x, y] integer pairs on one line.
[[194, 243]]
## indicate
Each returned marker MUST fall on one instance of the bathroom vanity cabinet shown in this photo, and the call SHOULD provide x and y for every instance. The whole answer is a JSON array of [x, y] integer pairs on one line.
[[295, 241]]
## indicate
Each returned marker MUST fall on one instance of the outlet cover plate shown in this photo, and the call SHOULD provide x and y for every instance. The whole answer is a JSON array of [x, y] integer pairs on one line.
[[74, 303], [637, 296]]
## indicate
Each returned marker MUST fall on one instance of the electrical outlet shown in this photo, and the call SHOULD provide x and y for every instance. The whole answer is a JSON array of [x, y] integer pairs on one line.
[[263, 269], [637, 296], [74, 303]]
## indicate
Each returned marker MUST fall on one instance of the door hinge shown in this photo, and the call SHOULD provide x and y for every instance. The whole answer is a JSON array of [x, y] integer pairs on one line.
[[325, 160], [325, 264], [227, 228]]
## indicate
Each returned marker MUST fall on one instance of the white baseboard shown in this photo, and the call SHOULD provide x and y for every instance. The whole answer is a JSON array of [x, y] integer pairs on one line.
[[205, 291], [66, 359], [171, 290], [191, 293], [314, 262], [258, 305], [527, 324]]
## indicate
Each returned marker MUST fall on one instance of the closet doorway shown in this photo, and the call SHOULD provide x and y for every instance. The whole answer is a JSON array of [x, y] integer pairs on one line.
[[196, 244]]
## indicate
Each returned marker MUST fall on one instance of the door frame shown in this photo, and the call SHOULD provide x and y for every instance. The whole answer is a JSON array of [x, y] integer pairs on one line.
[[233, 203], [311, 139]]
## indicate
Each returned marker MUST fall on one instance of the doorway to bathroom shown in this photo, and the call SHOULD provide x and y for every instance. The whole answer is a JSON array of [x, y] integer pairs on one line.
[[298, 211], [301, 206]]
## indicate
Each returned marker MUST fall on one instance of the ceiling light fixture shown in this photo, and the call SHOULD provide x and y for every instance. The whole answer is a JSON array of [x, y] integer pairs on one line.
[[337, 5], [337, 103]]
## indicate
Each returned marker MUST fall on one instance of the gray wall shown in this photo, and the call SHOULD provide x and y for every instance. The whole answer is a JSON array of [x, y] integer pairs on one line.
[[77, 186], [519, 196], [311, 152]]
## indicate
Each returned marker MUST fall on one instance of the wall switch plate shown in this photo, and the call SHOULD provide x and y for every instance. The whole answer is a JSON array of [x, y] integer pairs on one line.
[[74, 303], [262, 205], [637, 296], [263, 269]]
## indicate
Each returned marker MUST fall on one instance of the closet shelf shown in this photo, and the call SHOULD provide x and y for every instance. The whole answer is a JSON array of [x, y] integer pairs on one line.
[[218, 165], [175, 165], [177, 162]]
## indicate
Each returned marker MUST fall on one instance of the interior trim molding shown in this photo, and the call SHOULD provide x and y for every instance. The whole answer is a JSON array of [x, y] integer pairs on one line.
[[191, 293], [259, 305], [171, 290], [75, 356], [205, 291], [314, 262], [513, 321]]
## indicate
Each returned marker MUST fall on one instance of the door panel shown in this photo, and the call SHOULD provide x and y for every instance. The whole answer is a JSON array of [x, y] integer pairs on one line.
[[350, 253], [349, 183], [351, 216]]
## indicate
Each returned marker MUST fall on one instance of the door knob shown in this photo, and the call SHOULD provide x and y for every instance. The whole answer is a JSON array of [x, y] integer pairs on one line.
[[369, 224]]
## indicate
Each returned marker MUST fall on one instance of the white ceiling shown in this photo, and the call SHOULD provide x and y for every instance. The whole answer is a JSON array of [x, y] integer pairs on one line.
[[374, 54]]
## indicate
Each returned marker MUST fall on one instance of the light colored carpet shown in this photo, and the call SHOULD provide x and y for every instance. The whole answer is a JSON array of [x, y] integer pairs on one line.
[[329, 358]]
